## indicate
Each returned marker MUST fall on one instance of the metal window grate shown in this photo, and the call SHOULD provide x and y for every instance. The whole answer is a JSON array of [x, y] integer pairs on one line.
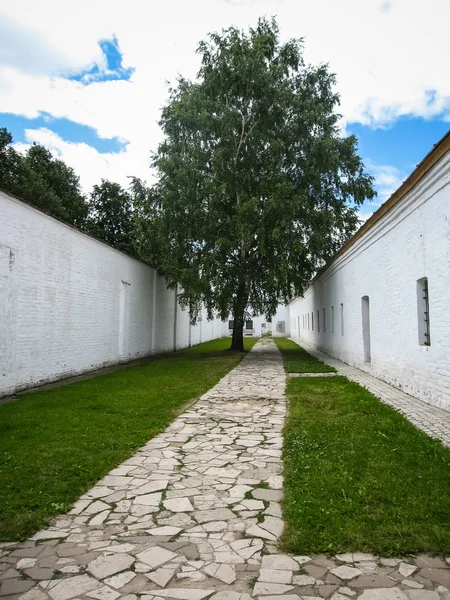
[[426, 332]]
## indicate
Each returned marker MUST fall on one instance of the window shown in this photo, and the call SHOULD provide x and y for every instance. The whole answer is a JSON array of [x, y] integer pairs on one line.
[[230, 324], [308, 321], [318, 320], [332, 319], [423, 312], [249, 324], [312, 321], [342, 319], [365, 313], [324, 321], [281, 327]]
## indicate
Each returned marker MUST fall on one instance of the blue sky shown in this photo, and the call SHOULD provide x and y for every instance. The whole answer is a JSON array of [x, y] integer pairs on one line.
[[111, 70], [66, 129], [88, 82], [401, 146]]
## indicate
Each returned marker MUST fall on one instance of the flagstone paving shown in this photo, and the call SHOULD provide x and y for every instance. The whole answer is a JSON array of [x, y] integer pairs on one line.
[[196, 515]]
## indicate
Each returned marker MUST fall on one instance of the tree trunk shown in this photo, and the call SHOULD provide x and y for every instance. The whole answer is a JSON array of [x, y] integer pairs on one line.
[[237, 341]]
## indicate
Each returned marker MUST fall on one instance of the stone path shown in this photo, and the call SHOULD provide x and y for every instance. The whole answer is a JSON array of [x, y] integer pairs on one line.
[[433, 420], [311, 374], [196, 515]]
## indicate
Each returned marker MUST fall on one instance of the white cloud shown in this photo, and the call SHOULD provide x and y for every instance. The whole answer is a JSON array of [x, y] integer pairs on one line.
[[387, 178], [116, 166], [385, 7], [27, 50], [391, 59]]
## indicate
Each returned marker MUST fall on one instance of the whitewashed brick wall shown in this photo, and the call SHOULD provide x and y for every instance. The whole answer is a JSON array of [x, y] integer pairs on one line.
[[409, 242], [70, 304], [279, 321]]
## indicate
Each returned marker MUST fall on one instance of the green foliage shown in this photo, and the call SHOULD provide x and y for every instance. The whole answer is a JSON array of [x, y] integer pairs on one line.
[[9, 161], [62, 181], [111, 215], [143, 199], [42, 180], [56, 444], [255, 180], [48, 183]]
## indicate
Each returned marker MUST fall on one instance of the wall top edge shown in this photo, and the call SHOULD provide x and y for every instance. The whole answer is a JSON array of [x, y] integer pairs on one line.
[[74, 228], [439, 150]]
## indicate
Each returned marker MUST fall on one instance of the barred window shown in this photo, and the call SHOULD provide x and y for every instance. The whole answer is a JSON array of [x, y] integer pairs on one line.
[[423, 312]]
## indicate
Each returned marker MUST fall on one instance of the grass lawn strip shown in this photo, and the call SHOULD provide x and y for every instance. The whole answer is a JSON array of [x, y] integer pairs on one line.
[[359, 476], [297, 360], [56, 444]]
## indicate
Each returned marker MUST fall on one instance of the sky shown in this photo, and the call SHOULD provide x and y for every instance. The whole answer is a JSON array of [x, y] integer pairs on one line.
[[87, 79]]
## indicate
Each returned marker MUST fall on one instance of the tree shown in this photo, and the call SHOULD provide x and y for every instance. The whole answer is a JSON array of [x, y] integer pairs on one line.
[[111, 215], [62, 181], [42, 180], [257, 188], [9, 161]]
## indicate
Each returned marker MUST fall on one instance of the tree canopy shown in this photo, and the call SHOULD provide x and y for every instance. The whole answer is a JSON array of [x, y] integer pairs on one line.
[[40, 179], [111, 215], [257, 187]]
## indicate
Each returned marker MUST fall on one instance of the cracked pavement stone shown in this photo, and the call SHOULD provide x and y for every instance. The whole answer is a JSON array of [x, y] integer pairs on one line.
[[185, 518]]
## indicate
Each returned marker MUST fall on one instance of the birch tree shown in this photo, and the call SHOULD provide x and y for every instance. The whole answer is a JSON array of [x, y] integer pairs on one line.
[[257, 186]]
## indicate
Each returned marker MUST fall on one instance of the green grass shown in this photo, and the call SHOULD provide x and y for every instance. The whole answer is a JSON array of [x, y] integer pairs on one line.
[[297, 360], [359, 476], [56, 444]]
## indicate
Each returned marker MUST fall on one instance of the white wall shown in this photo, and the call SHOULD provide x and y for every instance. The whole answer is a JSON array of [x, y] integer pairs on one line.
[[70, 304], [280, 317], [411, 241]]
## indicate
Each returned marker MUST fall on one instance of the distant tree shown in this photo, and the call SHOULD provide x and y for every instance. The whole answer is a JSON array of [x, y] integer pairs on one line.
[[143, 198], [257, 188], [42, 180], [61, 180], [9, 161], [111, 215], [141, 195]]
